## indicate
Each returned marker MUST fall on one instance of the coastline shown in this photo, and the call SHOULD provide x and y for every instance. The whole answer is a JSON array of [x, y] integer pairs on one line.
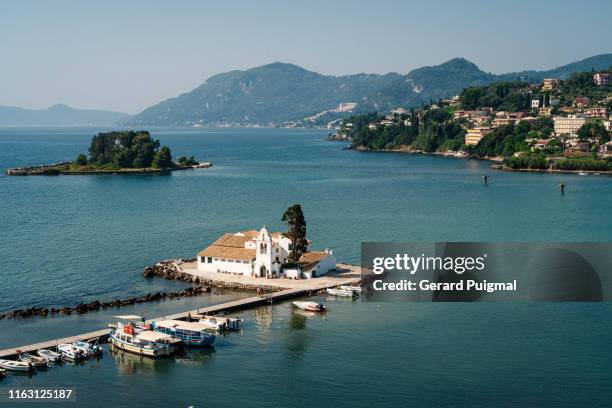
[[502, 167], [56, 170], [409, 150], [497, 162]]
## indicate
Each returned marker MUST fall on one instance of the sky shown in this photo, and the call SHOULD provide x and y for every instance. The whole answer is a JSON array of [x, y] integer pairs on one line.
[[128, 55]]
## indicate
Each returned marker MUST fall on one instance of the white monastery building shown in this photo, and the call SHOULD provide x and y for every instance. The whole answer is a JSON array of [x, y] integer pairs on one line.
[[262, 254]]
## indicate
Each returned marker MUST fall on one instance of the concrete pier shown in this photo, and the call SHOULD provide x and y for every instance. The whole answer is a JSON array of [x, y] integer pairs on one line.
[[307, 288]]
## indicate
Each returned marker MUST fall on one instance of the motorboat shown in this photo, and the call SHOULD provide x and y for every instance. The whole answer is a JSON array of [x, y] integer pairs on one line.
[[141, 341], [13, 365], [310, 306], [35, 361], [2, 373], [49, 355], [87, 348], [356, 289], [342, 292], [70, 352], [191, 333], [220, 323]]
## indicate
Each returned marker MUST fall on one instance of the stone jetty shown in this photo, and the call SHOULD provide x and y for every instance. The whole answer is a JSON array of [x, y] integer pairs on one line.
[[97, 305]]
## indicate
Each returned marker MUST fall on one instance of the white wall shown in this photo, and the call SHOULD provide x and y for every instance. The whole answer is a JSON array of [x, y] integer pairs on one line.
[[227, 266], [327, 264]]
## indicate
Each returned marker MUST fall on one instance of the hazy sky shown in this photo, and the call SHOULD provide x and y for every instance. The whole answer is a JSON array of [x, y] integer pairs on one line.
[[128, 55]]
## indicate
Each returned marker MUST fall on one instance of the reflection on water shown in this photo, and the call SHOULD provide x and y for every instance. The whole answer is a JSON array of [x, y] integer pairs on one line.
[[130, 363], [264, 317]]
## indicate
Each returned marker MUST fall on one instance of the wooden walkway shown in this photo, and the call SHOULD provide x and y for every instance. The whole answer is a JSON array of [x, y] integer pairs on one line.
[[235, 305]]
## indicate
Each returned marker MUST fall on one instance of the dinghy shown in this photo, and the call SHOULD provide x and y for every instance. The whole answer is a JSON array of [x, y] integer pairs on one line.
[[35, 361], [87, 348], [49, 355], [310, 306], [12, 365], [341, 292], [356, 289], [70, 352]]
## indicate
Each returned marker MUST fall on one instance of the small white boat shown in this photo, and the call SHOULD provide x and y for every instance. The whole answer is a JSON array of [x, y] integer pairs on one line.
[[310, 306], [70, 352], [2, 373], [583, 173], [49, 355], [356, 289], [35, 361], [12, 365], [87, 348], [220, 323], [341, 292]]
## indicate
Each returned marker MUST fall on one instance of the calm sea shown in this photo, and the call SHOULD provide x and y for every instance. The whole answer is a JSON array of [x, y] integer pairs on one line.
[[77, 238]]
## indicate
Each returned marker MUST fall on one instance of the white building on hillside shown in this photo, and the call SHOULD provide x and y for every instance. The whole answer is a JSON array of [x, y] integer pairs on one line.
[[262, 254]]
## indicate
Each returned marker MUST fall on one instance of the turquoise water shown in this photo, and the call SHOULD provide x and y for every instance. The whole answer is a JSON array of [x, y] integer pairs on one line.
[[75, 238]]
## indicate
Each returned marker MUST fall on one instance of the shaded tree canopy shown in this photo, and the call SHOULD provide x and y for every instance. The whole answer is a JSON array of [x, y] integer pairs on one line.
[[129, 149]]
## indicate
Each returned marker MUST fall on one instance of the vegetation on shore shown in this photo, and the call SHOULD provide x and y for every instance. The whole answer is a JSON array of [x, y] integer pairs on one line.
[[516, 127], [124, 150]]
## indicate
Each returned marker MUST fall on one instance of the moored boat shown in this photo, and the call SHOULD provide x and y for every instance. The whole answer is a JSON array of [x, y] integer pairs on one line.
[[12, 365], [49, 355], [341, 292], [220, 323], [191, 333], [356, 289], [310, 306], [35, 361], [88, 349], [70, 352], [2, 373], [137, 340]]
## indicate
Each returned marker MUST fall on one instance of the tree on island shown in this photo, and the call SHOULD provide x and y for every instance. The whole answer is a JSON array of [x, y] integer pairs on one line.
[[294, 218], [81, 160], [163, 158], [127, 149], [184, 161]]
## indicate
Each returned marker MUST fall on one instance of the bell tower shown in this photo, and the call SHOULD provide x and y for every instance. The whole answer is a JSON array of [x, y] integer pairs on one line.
[[263, 257]]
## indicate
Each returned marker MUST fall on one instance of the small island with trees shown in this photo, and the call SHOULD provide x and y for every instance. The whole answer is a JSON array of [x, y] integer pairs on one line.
[[117, 152]]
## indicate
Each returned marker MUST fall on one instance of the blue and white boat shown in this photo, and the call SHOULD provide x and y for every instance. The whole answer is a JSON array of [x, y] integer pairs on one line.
[[191, 333]]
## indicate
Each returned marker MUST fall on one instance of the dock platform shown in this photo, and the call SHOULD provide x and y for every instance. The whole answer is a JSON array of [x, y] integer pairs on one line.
[[241, 304]]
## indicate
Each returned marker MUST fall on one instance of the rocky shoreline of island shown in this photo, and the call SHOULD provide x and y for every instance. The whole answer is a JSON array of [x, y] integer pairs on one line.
[[170, 269], [66, 168]]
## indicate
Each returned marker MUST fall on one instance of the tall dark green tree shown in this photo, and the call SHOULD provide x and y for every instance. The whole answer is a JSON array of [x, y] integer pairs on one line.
[[163, 158], [296, 224]]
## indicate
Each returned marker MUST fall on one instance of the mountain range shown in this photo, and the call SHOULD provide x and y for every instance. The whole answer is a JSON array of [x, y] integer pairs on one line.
[[281, 94], [58, 115]]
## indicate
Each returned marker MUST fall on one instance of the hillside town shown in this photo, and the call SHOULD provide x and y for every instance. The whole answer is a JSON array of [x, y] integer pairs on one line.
[[529, 125]]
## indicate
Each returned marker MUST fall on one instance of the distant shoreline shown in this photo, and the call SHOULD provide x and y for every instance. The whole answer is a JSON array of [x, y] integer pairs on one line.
[[452, 155], [554, 171], [494, 160]]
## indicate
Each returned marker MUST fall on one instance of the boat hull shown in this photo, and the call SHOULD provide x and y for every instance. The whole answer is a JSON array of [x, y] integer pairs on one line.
[[141, 351], [49, 355], [16, 366]]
